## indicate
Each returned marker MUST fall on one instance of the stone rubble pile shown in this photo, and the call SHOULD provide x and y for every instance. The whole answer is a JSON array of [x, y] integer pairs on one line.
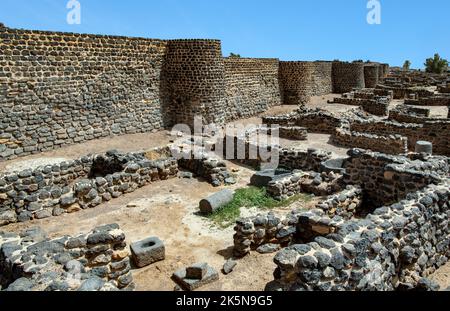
[[97, 261]]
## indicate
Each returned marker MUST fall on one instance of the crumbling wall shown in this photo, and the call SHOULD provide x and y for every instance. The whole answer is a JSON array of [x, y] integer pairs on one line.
[[97, 261], [392, 144], [252, 86], [319, 184], [407, 114], [377, 106], [302, 80], [345, 204], [387, 179], [429, 101], [309, 160]]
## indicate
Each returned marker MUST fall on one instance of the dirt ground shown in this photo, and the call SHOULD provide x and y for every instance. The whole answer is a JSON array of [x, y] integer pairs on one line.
[[168, 209]]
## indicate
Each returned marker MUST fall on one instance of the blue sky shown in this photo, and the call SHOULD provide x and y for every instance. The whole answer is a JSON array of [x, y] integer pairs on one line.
[[286, 29]]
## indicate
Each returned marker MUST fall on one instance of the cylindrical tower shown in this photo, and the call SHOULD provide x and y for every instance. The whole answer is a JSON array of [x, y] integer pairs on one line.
[[194, 79]]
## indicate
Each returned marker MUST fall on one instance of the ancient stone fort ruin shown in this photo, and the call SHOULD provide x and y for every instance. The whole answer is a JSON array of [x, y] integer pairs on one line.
[[359, 199]]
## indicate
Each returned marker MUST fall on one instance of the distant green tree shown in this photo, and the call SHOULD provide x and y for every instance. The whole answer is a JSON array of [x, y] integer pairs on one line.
[[406, 65], [436, 64], [235, 55]]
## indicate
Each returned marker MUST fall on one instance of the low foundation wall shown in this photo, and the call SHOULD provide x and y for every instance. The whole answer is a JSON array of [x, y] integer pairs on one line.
[[432, 101], [344, 204], [309, 160], [319, 184], [71, 186]]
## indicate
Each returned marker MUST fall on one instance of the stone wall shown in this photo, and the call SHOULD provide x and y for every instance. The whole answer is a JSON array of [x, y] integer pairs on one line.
[[207, 166], [347, 76], [70, 186], [309, 160], [58, 89], [345, 204], [429, 101], [97, 261], [388, 179], [315, 121], [384, 70], [319, 184], [252, 86], [437, 132], [377, 106], [391, 249], [408, 114], [371, 75], [302, 80]]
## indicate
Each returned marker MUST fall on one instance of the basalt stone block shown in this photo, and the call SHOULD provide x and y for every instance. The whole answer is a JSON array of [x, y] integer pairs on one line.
[[148, 251], [180, 277]]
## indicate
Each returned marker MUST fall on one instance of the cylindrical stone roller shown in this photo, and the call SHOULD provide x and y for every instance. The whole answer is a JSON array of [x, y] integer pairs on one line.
[[424, 147], [216, 201]]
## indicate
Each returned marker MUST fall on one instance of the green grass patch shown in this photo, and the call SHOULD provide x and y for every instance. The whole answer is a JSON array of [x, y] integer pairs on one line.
[[251, 197]]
